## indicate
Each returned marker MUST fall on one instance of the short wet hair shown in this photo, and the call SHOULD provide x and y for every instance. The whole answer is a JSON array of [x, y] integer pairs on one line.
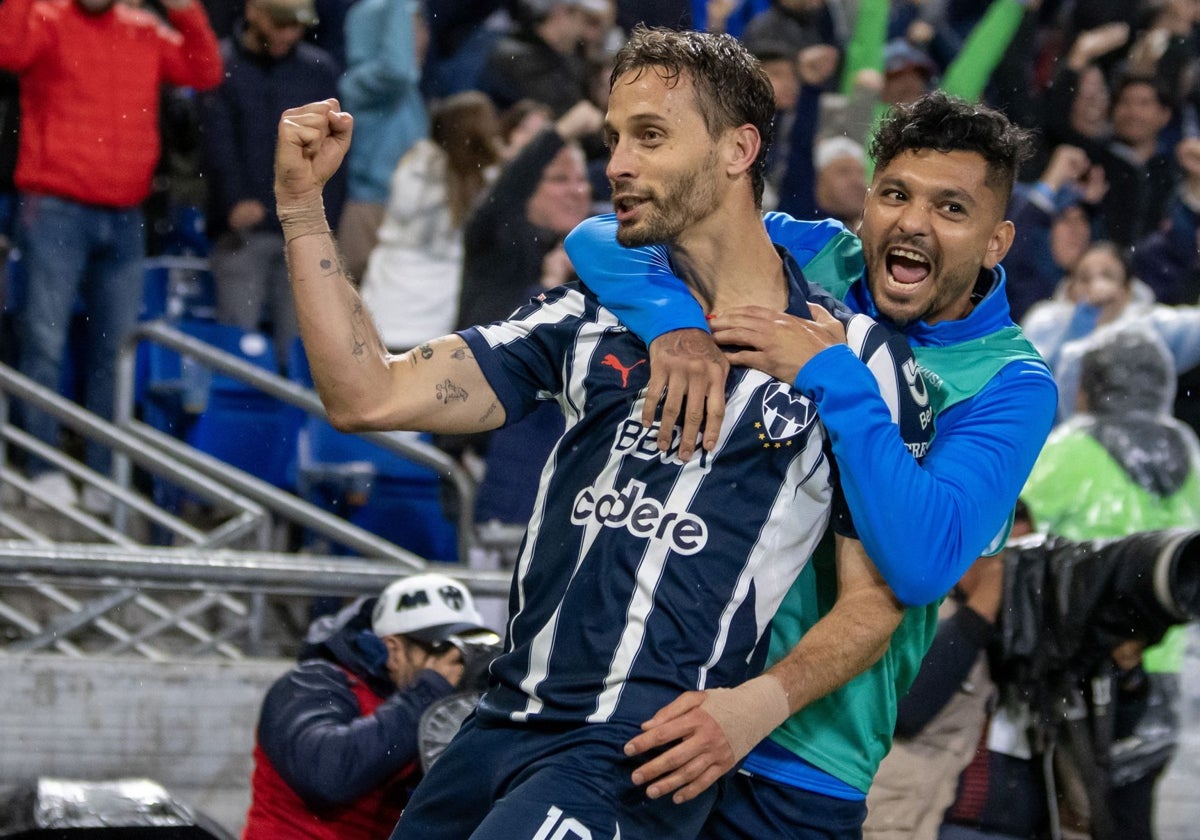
[[946, 123], [731, 87]]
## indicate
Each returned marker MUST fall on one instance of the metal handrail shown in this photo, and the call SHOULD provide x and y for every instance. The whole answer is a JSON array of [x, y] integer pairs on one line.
[[123, 445], [161, 332], [290, 574]]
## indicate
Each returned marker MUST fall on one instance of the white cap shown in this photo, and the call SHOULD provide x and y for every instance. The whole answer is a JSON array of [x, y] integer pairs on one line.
[[428, 608], [835, 148], [595, 7]]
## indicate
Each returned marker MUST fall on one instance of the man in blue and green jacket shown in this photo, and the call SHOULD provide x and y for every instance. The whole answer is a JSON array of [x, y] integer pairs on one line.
[[932, 238]]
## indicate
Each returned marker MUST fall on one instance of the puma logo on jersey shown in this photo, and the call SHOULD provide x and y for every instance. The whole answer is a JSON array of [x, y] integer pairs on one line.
[[610, 360]]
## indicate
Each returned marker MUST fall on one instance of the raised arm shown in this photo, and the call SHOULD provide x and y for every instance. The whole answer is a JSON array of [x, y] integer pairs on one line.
[[435, 387]]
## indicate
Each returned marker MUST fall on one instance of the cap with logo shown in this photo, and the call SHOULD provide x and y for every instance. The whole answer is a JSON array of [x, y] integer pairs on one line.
[[429, 608]]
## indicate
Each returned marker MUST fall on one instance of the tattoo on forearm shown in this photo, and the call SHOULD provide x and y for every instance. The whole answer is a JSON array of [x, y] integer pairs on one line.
[[358, 330], [426, 351], [448, 392], [491, 410], [461, 353]]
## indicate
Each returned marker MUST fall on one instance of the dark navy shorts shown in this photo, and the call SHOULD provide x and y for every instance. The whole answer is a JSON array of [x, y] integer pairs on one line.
[[752, 808], [508, 782]]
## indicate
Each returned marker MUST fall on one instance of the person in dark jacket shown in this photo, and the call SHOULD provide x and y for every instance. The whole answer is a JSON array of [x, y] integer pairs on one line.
[[337, 748], [267, 65]]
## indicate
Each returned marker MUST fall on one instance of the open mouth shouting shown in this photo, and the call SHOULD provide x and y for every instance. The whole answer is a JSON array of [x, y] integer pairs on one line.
[[906, 268]]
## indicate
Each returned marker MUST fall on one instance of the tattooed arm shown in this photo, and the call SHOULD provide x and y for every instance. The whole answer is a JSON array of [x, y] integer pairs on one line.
[[435, 387]]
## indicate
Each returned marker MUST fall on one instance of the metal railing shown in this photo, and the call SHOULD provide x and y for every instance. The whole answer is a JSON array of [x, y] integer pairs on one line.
[[83, 600], [249, 501], [84, 584], [160, 332]]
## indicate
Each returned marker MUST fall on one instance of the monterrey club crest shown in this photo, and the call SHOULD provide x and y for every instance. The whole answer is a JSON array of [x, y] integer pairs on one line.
[[785, 412]]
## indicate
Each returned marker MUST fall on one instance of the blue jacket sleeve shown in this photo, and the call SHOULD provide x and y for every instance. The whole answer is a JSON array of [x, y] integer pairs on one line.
[[662, 303], [922, 524], [324, 748]]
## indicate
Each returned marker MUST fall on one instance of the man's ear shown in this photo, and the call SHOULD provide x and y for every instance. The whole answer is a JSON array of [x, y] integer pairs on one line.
[[998, 245], [742, 149]]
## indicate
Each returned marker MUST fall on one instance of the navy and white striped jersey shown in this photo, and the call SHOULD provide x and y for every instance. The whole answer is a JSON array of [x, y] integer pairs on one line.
[[642, 576]]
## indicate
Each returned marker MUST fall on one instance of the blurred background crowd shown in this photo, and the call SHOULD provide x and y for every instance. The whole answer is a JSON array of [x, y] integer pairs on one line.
[[477, 147]]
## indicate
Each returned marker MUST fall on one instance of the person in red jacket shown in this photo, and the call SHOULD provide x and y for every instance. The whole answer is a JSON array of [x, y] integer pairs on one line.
[[90, 73], [337, 748]]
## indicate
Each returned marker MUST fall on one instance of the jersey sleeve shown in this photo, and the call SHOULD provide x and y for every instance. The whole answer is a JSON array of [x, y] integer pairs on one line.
[[521, 356], [637, 284]]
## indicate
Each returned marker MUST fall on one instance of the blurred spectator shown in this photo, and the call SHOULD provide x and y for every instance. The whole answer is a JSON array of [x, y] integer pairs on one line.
[[336, 754], [1121, 465], [1141, 175], [386, 42], [461, 35], [519, 124], [1078, 100], [1167, 260], [1099, 291], [799, 24], [908, 71], [413, 278], [878, 73], [538, 198], [1053, 220], [513, 249], [268, 69], [797, 79], [90, 74], [841, 180], [541, 60]]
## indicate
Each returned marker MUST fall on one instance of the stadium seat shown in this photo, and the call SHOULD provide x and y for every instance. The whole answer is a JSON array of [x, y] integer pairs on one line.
[[219, 414], [370, 486]]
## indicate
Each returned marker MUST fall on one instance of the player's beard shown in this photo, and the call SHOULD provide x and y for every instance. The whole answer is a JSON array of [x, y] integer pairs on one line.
[[682, 200]]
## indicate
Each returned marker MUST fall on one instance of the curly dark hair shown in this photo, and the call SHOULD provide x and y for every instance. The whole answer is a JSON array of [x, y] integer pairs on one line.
[[948, 124], [731, 87]]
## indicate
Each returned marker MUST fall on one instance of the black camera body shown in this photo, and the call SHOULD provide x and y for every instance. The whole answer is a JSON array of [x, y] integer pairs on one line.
[[1067, 603]]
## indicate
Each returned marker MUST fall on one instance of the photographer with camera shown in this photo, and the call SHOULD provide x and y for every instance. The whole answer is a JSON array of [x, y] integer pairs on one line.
[[1124, 464], [1010, 730], [337, 743]]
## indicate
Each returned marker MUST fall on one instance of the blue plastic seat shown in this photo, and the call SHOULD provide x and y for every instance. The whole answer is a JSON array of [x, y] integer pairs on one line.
[[219, 414], [372, 487]]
